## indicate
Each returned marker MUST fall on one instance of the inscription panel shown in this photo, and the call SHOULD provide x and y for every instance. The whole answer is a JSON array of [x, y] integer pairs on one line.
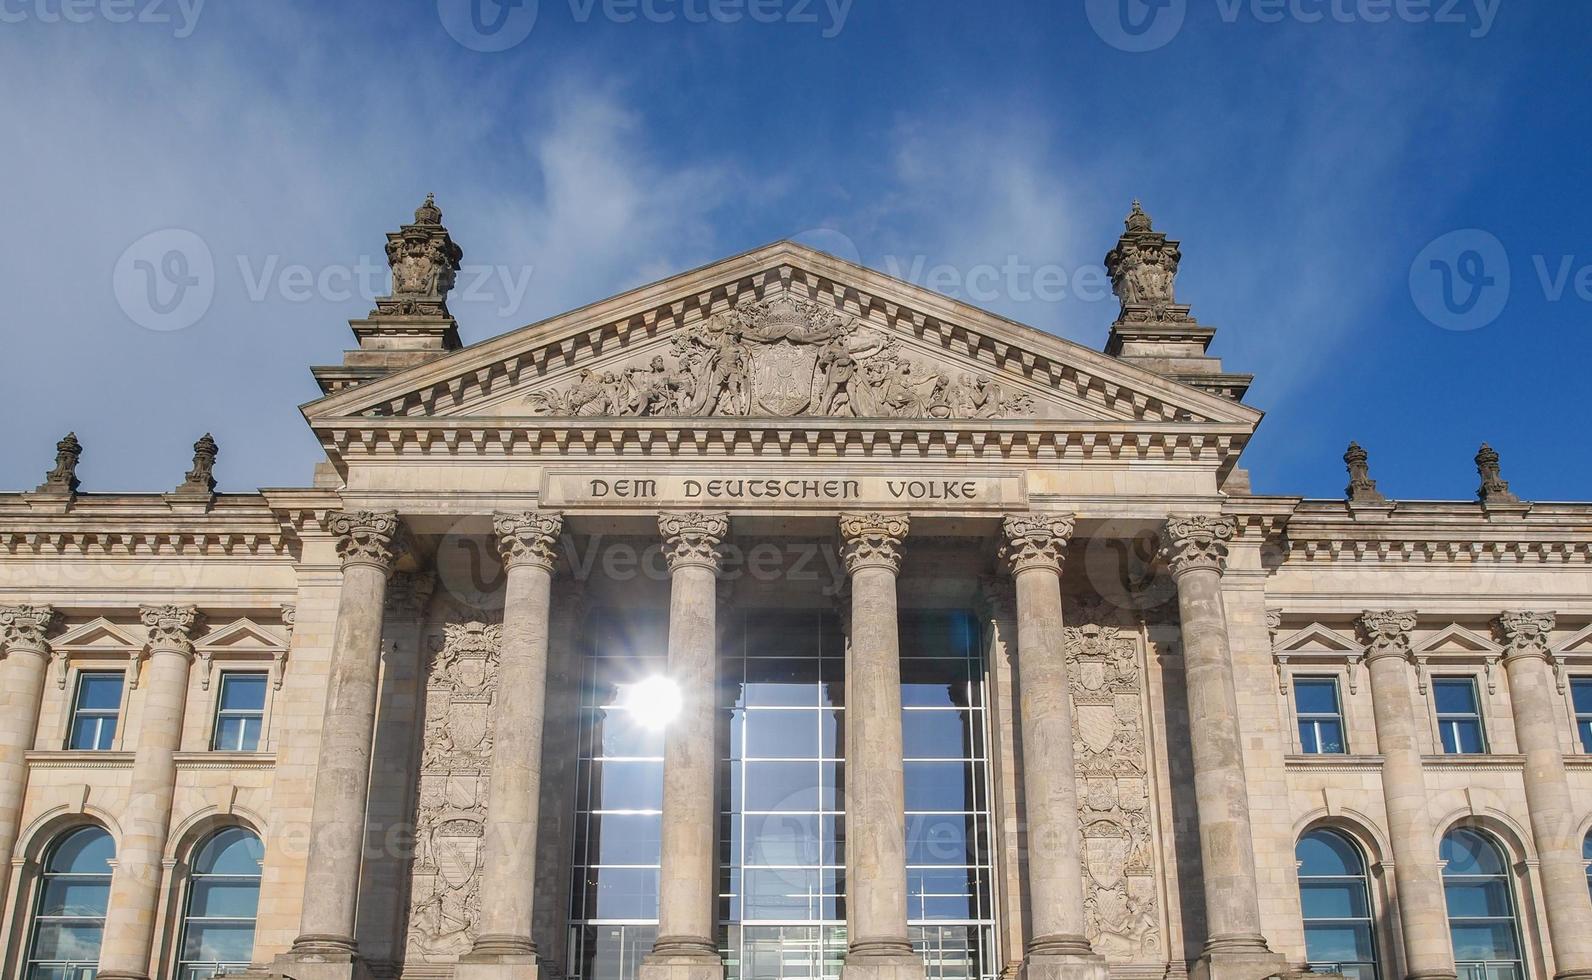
[[617, 488]]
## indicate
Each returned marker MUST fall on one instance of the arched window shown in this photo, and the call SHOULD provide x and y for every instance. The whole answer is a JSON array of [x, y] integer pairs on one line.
[[1586, 855], [1481, 907], [69, 916], [1336, 899], [223, 894]]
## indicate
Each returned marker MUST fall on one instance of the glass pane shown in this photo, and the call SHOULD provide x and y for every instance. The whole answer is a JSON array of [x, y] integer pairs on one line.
[[86, 733], [937, 734], [1307, 738], [617, 733], [66, 941], [1468, 736], [214, 942], [229, 734], [1581, 691], [628, 786], [1455, 696], [243, 692], [1585, 728], [1479, 899], [1484, 941], [1316, 697], [937, 634], [782, 785], [621, 838], [941, 838], [782, 734], [1324, 853], [224, 898], [251, 735], [1331, 943], [1467, 852], [941, 893], [1329, 735], [88, 850], [1333, 900], [610, 952], [781, 893], [784, 838], [937, 786], [935, 684], [99, 691], [82, 898], [780, 682], [623, 893]]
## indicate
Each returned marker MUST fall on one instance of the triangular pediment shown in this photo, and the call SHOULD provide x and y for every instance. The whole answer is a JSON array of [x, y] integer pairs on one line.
[[1319, 639], [782, 333], [98, 634], [1457, 640], [242, 636]]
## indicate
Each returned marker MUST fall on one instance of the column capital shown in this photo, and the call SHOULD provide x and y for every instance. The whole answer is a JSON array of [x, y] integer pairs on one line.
[[23, 628], [170, 627], [528, 537], [1525, 633], [1196, 542], [1386, 632], [692, 538], [872, 540], [1036, 540], [367, 537]]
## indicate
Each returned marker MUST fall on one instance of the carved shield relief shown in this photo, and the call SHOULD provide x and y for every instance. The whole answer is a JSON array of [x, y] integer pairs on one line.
[[782, 377]]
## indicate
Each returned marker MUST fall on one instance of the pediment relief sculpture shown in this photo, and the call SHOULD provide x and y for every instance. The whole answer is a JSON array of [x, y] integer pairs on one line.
[[783, 357]]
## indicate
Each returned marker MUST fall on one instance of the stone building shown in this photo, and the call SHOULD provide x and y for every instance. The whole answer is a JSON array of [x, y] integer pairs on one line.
[[781, 620]]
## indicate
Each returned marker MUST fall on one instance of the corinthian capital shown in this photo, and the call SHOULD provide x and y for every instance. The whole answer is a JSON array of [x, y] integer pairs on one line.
[[692, 538], [23, 628], [170, 627], [1036, 540], [872, 540], [1189, 543], [1525, 633], [366, 538], [1386, 632], [528, 537]]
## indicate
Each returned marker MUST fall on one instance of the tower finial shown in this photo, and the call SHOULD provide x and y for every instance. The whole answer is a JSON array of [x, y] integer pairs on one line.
[[424, 260], [1137, 220], [1494, 488], [62, 480], [428, 213], [1361, 489]]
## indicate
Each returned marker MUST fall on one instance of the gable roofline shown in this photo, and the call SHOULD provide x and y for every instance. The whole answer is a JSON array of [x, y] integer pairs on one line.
[[723, 277]]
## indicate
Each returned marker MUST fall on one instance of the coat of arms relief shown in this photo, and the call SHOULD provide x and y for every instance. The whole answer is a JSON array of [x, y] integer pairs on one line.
[[784, 357], [1121, 894], [454, 772]]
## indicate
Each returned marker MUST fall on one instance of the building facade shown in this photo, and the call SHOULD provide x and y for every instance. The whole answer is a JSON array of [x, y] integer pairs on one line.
[[784, 620]]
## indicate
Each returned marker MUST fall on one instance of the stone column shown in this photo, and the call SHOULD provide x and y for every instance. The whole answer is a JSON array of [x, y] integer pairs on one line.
[[1195, 548], [1539, 716], [136, 881], [22, 671], [877, 947], [368, 544], [504, 947], [1057, 948], [1422, 906], [688, 878]]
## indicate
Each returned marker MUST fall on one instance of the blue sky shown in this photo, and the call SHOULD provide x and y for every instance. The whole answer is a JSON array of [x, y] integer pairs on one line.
[[1309, 153]]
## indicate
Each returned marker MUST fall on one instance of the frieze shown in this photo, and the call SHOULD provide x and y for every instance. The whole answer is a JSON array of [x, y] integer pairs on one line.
[[783, 357], [776, 487], [1121, 900]]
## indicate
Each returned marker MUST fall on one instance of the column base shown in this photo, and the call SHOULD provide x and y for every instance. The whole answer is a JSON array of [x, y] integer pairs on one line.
[[1573, 975], [1066, 966], [1239, 959], [682, 958], [318, 958], [491, 966], [882, 960]]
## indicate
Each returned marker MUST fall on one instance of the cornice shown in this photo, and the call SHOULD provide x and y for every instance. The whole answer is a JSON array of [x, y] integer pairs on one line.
[[145, 525], [1452, 532]]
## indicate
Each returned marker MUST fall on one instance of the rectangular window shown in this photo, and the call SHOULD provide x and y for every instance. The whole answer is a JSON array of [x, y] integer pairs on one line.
[[99, 699], [1459, 715], [1320, 716], [240, 713], [1581, 693]]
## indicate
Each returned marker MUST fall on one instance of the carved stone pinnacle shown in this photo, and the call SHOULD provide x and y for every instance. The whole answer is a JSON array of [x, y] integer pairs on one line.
[[366, 538], [170, 627], [201, 478], [62, 480], [24, 627], [872, 540], [692, 538], [1198, 542], [425, 263], [1361, 489], [1143, 271], [528, 538], [1386, 632], [1036, 540], [1494, 489]]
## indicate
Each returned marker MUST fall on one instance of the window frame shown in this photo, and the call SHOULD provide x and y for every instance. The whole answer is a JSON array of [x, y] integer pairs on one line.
[[1480, 714], [1315, 717], [1364, 879], [1512, 893], [1581, 718], [185, 906], [221, 713], [39, 883], [116, 714]]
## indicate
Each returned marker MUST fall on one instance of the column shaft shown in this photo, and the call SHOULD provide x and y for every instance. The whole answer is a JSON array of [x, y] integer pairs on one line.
[[342, 775], [508, 876], [687, 878], [1555, 823], [1422, 906], [1034, 548], [135, 884], [22, 671], [876, 869], [1196, 549]]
